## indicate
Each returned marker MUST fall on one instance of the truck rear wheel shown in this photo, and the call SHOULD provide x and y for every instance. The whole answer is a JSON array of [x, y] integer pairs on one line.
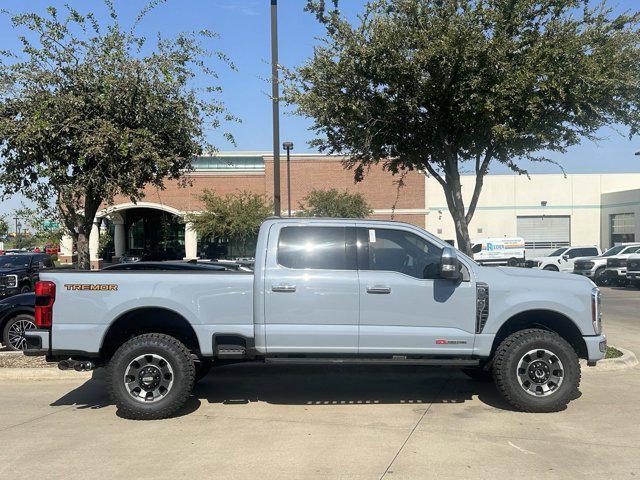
[[150, 376], [536, 371]]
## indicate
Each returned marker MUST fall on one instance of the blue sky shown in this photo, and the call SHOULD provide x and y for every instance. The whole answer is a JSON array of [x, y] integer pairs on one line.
[[243, 26]]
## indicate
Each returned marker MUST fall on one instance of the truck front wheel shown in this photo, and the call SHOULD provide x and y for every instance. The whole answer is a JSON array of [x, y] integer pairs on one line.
[[150, 376], [536, 371]]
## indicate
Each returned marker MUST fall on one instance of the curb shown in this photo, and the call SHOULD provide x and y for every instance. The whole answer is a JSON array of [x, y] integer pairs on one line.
[[45, 373], [627, 360]]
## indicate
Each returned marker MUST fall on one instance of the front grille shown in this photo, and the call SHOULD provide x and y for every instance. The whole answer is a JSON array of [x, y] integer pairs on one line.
[[616, 262], [583, 265], [633, 265], [482, 306]]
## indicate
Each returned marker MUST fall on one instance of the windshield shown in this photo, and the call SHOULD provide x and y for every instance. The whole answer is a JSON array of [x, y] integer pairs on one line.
[[558, 252], [13, 261], [613, 251]]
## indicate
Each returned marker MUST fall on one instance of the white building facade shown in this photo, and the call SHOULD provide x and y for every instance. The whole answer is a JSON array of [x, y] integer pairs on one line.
[[547, 210]]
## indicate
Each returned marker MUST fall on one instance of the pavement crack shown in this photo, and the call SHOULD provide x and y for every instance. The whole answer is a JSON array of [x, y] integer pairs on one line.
[[444, 384], [9, 427]]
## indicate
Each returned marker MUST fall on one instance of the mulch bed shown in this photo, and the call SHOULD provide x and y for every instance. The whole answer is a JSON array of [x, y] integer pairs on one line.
[[18, 360]]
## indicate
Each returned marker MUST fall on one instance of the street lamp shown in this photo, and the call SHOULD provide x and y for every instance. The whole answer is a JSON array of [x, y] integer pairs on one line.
[[275, 107], [288, 146]]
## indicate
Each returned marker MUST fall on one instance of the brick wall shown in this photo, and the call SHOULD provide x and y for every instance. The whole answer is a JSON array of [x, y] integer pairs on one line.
[[321, 172], [307, 173]]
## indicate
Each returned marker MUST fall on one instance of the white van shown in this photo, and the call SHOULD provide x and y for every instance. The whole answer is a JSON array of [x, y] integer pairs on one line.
[[498, 250]]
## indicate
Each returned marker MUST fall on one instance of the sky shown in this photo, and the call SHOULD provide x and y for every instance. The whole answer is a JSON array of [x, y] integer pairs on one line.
[[244, 29]]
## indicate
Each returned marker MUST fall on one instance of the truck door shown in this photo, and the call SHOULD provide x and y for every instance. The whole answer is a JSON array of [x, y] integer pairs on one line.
[[311, 289], [405, 308]]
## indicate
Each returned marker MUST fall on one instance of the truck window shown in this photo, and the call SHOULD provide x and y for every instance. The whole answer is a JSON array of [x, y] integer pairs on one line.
[[477, 248], [323, 248], [398, 251]]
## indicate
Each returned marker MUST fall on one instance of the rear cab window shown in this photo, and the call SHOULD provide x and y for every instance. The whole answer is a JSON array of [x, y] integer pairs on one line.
[[317, 248]]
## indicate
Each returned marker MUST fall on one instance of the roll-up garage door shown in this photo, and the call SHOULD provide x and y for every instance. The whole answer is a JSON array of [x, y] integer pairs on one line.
[[543, 234]]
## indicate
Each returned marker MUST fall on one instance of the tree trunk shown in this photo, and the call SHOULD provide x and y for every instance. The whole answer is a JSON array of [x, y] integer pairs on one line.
[[82, 242]]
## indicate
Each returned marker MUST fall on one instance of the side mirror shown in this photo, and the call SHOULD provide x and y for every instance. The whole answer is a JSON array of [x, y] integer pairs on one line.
[[565, 257], [449, 264]]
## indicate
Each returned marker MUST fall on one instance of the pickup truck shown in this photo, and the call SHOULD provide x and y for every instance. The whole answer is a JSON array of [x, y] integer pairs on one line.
[[324, 290]]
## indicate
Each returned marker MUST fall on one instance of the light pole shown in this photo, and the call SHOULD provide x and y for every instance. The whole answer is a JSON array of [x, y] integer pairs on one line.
[[275, 107], [288, 146], [16, 218]]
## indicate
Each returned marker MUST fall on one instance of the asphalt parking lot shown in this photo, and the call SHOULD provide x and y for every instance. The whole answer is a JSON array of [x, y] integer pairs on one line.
[[253, 421]]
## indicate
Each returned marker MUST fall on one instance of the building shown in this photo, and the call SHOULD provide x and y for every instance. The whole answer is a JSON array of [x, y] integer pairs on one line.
[[157, 220], [547, 210]]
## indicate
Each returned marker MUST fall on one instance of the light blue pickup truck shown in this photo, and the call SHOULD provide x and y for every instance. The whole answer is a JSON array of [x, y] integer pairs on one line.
[[324, 290]]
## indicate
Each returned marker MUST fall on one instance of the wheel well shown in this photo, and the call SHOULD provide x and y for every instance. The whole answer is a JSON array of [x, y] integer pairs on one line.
[[546, 320], [148, 320], [551, 267]]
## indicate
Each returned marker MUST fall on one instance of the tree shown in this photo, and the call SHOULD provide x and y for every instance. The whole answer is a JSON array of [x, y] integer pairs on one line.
[[333, 203], [4, 227], [44, 225], [237, 216], [451, 86], [91, 111]]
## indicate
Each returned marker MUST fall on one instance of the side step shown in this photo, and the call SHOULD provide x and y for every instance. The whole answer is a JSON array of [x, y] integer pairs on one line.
[[231, 351], [399, 360]]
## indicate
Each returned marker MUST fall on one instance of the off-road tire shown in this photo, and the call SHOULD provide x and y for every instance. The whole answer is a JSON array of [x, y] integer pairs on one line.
[[596, 276], [203, 366], [176, 355], [505, 370]]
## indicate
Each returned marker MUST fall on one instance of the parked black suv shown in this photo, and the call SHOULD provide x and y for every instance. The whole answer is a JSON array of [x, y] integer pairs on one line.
[[19, 272]]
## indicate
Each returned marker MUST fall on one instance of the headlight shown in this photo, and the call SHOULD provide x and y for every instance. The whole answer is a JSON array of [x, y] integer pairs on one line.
[[11, 281], [596, 310]]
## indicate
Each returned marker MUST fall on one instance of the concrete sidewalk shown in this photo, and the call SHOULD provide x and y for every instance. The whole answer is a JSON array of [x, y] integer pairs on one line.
[[251, 421]]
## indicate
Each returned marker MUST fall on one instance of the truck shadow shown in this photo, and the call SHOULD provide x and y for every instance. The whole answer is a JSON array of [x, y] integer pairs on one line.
[[315, 385]]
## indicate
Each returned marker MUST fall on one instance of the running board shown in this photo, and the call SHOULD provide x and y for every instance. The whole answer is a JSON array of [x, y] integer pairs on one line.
[[437, 362]]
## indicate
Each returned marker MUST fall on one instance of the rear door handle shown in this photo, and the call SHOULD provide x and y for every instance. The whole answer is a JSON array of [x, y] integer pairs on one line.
[[379, 289], [285, 288]]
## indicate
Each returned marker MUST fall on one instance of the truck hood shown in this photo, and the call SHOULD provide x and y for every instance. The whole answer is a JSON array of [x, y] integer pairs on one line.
[[9, 271], [533, 274], [545, 259]]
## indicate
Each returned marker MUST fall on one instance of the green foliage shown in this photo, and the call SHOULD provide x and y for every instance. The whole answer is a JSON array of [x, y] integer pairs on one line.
[[236, 216], [104, 242], [91, 111], [336, 204], [4, 226], [451, 86], [34, 221]]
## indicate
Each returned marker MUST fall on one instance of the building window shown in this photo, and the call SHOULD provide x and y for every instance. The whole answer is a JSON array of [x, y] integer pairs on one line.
[[623, 228]]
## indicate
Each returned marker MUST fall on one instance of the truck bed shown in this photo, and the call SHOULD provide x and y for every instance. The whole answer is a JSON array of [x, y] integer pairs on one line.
[[87, 303]]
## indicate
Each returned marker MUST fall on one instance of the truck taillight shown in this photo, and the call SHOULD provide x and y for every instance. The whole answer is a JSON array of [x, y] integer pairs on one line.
[[45, 296]]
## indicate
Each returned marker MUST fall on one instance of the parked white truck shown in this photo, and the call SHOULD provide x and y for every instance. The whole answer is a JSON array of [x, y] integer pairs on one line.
[[346, 291]]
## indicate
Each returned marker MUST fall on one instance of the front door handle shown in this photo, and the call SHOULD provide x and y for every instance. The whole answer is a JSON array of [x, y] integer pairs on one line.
[[379, 289], [285, 288]]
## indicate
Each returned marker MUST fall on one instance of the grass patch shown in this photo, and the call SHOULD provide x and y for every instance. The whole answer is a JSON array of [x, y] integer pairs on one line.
[[613, 352]]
